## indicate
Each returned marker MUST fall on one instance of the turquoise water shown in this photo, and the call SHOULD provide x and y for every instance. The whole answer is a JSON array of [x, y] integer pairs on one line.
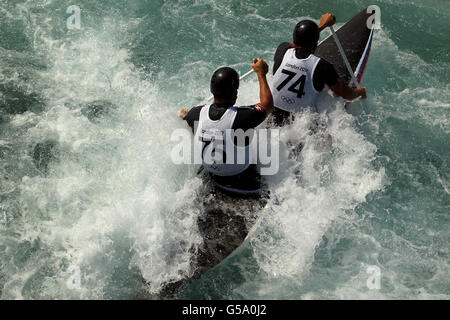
[[90, 203]]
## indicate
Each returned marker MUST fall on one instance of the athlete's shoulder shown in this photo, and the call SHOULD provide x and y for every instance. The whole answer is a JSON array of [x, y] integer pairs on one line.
[[248, 117], [325, 73], [255, 107], [279, 55], [325, 67], [324, 63], [198, 108], [194, 113], [282, 48]]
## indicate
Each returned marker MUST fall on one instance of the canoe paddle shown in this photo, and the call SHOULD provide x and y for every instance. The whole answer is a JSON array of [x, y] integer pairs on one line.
[[347, 64]]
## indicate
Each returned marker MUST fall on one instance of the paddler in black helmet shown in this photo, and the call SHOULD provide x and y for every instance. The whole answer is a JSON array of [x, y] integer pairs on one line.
[[208, 120], [229, 208], [299, 75]]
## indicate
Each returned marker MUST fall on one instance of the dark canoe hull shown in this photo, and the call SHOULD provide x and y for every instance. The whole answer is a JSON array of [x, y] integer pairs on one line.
[[223, 225], [356, 39]]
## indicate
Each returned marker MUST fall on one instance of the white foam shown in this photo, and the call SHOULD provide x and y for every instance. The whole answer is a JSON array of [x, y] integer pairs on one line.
[[113, 200], [331, 184]]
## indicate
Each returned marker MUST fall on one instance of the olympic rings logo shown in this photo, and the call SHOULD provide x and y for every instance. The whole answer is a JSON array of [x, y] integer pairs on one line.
[[287, 100]]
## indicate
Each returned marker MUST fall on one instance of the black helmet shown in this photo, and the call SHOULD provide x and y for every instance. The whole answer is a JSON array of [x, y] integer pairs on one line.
[[225, 82], [306, 33]]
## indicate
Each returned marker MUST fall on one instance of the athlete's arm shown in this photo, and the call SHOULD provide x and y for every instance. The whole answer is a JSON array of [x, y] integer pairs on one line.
[[327, 20], [191, 116], [325, 74], [347, 92], [261, 68], [279, 54]]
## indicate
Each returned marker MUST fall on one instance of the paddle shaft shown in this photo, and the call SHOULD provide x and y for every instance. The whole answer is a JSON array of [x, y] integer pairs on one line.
[[347, 64]]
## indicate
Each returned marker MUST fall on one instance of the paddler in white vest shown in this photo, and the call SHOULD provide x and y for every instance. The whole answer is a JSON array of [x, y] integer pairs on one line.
[[210, 124], [299, 75]]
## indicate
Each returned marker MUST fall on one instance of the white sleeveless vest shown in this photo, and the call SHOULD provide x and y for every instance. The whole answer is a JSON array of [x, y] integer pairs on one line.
[[213, 141], [292, 85]]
